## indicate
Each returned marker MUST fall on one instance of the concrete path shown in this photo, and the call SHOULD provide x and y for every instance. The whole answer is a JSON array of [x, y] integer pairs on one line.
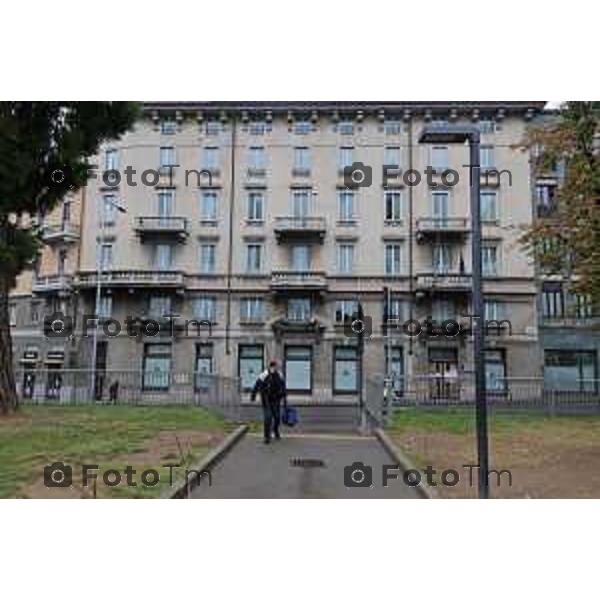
[[301, 466]]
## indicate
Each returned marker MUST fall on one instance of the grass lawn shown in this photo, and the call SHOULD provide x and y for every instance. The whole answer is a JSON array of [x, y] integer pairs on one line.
[[107, 436], [549, 457]]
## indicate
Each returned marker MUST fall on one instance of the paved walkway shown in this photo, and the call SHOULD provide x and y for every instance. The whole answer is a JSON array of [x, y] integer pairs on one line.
[[255, 470]]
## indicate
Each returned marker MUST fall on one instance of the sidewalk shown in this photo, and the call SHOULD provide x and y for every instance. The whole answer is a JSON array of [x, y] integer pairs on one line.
[[256, 470]]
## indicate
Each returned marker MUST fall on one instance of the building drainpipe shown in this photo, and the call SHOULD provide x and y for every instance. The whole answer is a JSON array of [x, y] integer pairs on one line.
[[230, 249]]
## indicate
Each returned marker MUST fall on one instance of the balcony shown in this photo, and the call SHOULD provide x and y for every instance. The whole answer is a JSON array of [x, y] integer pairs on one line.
[[162, 227], [295, 229], [442, 228], [133, 279], [298, 281], [60, 233], [443, 282], [52, 284]]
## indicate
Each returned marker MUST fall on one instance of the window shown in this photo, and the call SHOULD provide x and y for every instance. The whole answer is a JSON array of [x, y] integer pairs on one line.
[[208, 258], [301, 202], [104, 309], [393, 259], [495, 370], [167, 157], [299, 309], [110, 159], [487, 126], [109, 210], [570, 370], [213, 127], [489, 207], [62, 261], [439, 157], [553, 301], [166, 200], [168, 126], [256, 206], [254, 258], [494, 310], [346, 205], [302, 127], [546, 199], [443, 310], [208, 207], [66, 211], [257, 158], [441, 207], [159, 306], [250, 364], [34, 312], [393, 206], [391, 156], [584, 308], [298, 368], [394, 359], [395, 311], [345, 258], [392, 127], [106, 257], [157, 367], [487, 157], [204, 367], [210, 159], [489, 259], [345, 369], [345, 157], [252, 310], [163, 257], [258, 127], [302, 160], [12, 314], [345, 311], [205, 309], [439, 123], [346, 127], [300, 258]]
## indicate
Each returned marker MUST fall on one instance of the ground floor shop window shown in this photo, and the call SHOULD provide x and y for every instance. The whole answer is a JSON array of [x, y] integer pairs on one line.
[[345, 370], [251, 364], [395, 367], [298, 368], [570, 370], [495, 370], [204, 366], [157, 367]]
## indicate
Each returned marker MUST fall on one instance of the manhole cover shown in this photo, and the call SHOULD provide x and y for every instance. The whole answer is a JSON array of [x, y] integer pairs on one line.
[[307, 463]]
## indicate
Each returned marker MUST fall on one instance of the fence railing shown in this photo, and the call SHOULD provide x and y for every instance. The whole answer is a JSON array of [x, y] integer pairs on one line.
[[69, 386]]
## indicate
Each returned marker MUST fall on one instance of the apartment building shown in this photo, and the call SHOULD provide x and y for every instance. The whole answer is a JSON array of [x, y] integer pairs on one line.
[[43, 291], [267, 243]]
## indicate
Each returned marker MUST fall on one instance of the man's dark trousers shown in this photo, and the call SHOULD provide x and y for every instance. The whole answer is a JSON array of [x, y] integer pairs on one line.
[[271, 416]]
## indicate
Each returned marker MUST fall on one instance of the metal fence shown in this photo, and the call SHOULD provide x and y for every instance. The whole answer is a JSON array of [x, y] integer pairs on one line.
[[70, 386], [383, 394]]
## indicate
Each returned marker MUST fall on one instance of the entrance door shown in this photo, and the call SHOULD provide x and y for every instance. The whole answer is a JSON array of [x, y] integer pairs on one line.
[[443, 371]]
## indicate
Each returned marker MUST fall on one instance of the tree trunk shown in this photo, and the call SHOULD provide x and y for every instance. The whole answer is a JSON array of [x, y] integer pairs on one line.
[[8, 392]]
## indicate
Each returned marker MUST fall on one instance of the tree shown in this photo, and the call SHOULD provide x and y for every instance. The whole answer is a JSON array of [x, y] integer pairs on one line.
[[36, 138], [565, 239]]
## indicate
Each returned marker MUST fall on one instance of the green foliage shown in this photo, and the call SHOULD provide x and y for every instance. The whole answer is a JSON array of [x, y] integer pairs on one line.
[[567, 240], [34, 136]]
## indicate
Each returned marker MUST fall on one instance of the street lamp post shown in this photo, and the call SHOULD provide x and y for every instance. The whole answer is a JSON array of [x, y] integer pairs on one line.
[[100, 225], [458, 134]]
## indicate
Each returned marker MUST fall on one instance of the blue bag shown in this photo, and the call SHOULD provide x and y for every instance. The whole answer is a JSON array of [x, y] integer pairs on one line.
[[290, 416]]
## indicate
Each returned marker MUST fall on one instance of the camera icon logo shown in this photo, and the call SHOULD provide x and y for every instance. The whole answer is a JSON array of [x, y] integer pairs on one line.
[[358, 175], [58, 475], [59, 177], [58, 325], [356, 326], [358, 475]]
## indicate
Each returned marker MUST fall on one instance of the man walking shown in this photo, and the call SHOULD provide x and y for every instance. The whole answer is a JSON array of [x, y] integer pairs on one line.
[[271, 387]]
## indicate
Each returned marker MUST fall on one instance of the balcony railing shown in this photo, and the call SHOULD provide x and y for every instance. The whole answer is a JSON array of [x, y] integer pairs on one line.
[[52, 283], [444, 282], [442, 226], [60, 232], [171, 279], [300, 227], [298, 280], [170, 226]]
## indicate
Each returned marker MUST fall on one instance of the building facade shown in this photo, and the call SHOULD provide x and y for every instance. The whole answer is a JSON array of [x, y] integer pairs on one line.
[[256, 245]]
